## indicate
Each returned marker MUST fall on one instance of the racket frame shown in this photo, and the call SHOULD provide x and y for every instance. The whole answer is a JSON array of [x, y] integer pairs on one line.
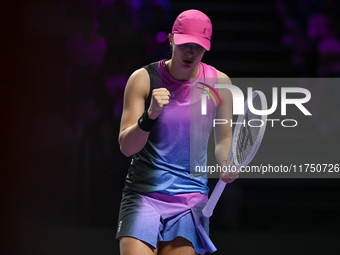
[[217, 192]]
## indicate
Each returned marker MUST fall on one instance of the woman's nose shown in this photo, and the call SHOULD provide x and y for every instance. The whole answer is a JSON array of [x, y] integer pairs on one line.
[[190, 50]]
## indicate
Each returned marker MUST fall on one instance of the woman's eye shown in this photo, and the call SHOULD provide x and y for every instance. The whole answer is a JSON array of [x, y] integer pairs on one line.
[[195, 46], [198, 47]]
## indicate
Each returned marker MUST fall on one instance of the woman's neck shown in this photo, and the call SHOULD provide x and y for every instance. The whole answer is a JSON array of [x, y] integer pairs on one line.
[[179, 73]]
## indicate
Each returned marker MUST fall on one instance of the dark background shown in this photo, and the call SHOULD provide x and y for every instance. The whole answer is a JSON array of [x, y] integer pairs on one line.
[[61, 187]]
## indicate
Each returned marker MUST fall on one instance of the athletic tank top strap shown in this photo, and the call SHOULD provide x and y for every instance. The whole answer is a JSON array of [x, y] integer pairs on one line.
[[155, 75]]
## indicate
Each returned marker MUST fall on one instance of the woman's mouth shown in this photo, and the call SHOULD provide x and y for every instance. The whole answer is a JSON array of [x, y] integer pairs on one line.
[[187, 61]]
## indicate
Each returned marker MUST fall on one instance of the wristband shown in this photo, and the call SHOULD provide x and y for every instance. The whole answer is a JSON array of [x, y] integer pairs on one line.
[[145, 123]]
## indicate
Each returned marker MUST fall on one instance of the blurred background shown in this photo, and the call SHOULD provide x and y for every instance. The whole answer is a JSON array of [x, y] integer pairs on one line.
[[65, 64]]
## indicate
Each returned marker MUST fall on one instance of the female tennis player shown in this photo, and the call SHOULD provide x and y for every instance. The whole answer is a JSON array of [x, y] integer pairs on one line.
[[161, 208]]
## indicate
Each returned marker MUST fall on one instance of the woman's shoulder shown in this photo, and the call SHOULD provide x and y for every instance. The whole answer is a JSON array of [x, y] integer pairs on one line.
[[216, 71], [139, 73], [222, 75], [138, 83], [142, 75]]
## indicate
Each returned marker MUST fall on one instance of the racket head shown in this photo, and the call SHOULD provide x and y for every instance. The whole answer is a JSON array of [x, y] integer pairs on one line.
[[247, 138]]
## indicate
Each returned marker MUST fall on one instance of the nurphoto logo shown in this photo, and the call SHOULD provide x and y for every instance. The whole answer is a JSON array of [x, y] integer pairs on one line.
[[238, 104]]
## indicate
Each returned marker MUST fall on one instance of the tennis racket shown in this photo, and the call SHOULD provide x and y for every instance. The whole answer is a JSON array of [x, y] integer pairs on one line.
[[246, 141]]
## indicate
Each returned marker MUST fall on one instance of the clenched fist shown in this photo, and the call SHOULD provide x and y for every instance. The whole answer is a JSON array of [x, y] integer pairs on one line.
[[230, 175], [160, 97]]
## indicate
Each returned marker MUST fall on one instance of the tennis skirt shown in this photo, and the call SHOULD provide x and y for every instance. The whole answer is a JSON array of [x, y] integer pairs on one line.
[[156, 217]]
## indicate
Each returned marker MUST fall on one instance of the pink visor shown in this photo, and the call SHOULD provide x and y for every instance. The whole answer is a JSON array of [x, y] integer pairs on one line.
[[192, 26]]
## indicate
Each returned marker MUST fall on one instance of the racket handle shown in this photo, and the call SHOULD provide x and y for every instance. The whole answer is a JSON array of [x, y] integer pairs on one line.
[[209, 207]]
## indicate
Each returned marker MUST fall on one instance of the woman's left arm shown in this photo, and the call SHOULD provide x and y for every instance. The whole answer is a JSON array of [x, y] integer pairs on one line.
[[223, 132]]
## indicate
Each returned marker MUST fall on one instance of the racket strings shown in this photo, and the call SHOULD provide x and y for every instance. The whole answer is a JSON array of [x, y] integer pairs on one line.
[[249, 132]]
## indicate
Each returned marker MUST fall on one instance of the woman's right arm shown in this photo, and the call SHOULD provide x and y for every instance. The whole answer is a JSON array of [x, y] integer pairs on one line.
[[131, 137]]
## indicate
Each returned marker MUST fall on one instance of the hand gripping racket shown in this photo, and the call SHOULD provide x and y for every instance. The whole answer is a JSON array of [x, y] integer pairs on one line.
[[247, 137]]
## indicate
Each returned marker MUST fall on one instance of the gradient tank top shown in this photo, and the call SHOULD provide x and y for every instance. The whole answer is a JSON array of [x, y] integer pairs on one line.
[[179, 140]]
